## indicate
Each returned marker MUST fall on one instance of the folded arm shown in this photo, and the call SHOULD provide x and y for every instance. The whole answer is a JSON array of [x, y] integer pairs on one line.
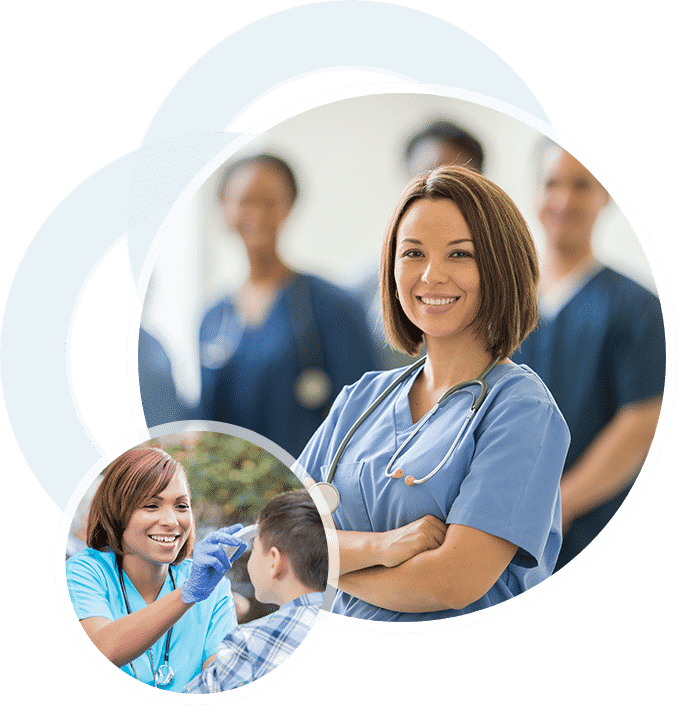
[[361, 549], [452, 576]]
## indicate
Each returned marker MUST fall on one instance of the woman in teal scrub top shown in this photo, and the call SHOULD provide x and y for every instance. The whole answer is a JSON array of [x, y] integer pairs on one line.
[[151, 611], [458, 272]]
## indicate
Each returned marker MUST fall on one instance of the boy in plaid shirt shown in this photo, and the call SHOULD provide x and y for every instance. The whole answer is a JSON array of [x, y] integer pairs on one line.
[[288, 567]]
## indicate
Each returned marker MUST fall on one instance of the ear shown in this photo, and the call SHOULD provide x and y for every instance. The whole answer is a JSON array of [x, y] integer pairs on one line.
[[279, 565]]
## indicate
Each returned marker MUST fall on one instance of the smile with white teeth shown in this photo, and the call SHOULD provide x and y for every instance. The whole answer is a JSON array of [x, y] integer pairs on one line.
[[438, 302], [164, 538]]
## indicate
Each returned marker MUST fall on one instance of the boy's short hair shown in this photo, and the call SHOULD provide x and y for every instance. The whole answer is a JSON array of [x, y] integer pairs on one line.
[[292, 524]]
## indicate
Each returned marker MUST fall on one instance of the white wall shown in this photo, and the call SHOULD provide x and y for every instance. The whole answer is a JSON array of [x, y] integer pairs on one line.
[[348, 157]]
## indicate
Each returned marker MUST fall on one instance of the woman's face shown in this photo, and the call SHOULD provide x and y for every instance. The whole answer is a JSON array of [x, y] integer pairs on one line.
[[256, 202], [436, 273], [157, 530]]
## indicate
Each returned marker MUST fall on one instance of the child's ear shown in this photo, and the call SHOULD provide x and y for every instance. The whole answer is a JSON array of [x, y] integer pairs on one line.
[[278, 563]]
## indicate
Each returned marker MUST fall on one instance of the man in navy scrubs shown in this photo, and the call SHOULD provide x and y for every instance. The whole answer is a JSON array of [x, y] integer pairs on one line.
[[600, 348]]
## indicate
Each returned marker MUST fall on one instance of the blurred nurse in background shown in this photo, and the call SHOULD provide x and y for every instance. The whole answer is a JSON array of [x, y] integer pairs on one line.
[[276, 353], [599, 347]]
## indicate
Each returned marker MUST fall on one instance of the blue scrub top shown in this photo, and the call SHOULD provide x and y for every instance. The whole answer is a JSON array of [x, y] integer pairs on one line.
[[605, 349], [95, 591], [502, 478], [158, 393], [253, 385]]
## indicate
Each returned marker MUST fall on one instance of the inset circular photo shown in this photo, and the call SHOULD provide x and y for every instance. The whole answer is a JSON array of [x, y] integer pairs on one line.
[[196, 562]]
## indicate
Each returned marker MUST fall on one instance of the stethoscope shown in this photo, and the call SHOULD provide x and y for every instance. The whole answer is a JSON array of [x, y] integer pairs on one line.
[[164, 674], [330, 494], [312, 387]]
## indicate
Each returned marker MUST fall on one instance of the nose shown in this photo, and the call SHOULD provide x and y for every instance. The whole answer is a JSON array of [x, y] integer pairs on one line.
[[168, 518], [561, 198], [435, 272]]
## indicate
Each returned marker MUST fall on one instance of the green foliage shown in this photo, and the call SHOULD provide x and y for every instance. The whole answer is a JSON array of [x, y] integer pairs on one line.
[[230, 479]]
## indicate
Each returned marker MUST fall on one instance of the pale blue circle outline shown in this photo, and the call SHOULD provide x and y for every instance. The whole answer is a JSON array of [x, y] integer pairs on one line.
[[35, 363], [411, 42], [366, 69]]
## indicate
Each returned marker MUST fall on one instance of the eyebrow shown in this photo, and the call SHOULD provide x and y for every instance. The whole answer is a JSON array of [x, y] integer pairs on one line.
[[176, 499], [414, 241]]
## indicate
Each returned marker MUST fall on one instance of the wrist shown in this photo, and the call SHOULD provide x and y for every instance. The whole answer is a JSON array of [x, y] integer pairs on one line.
[[189, 596], [380, 546]]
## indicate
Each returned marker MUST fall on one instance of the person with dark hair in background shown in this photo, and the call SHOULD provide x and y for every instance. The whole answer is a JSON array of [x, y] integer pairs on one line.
[[444, 476], [149, 609], [276, 354], [599, 347], [439, 143], [288, 567]]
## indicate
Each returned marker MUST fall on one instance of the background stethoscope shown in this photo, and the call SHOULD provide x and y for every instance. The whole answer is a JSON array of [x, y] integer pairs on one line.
[[312, 387], [330, 494], [164, 674]]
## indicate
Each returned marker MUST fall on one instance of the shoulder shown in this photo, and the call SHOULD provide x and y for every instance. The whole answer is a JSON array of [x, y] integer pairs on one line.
[[372, 384], [622, 289], [325, 291], [182, 570], [92, 556], [519, 400], [518, 384], [91, 563], [212, 318]]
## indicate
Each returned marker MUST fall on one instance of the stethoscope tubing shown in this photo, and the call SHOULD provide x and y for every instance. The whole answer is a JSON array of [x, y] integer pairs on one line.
[[477, 403], [418, 481], [168, 674], [367, 414]]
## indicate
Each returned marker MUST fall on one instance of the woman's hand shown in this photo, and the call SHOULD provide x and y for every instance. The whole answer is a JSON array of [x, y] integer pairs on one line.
[[399, 545], [211, 561], [363, 549]]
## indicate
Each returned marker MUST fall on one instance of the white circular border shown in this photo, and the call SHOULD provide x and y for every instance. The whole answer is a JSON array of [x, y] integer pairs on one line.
[[62, 589], [622, 202]]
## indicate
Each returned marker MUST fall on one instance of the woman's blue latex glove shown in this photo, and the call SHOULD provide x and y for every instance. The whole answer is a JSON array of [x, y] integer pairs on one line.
[[211, 562]]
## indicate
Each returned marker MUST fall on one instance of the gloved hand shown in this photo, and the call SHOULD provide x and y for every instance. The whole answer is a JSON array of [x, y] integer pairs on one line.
[[211, 562]]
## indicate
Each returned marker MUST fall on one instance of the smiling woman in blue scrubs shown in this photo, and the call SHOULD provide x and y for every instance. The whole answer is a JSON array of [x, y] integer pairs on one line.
[[458, 272], [152, 612]]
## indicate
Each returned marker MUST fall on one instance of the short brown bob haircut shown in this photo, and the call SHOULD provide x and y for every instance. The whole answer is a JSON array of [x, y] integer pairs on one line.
[[128, 482], [504, 250]]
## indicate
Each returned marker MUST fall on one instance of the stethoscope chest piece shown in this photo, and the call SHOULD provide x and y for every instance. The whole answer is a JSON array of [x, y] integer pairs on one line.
[[312, 388], [325, 495], [164, 674]]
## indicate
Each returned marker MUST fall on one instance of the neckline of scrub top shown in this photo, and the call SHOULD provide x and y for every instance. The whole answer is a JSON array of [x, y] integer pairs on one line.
[[552, 302], [275, 304], [136, 602], [402, 411]]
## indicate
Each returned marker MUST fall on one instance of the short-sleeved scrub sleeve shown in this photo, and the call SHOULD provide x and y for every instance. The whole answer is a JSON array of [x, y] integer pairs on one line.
[[511, 489]]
